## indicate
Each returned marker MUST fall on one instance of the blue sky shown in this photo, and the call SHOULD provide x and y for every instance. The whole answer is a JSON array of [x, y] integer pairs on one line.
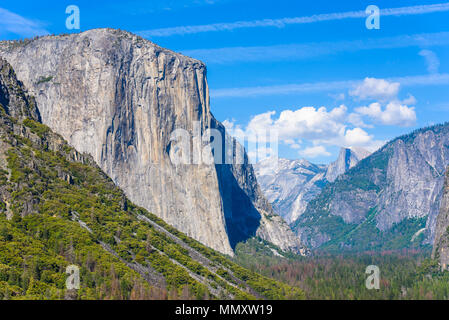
[[309, 69]]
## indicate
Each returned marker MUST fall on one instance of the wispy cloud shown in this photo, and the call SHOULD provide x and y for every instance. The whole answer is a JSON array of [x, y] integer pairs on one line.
[[139, 7], [310, 50], [279, 23], [283, 89], [12, 22], [421, 80], [432, 61]]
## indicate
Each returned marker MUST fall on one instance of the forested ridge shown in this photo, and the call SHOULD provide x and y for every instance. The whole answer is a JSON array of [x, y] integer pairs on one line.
[[57, 208], [407, 274]]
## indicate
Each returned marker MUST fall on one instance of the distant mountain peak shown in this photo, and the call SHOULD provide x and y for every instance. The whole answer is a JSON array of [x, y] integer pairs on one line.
[[347, 158], [384, 201], [290, 184]]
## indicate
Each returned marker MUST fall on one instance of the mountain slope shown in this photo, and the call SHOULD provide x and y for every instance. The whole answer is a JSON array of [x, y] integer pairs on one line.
[[441, 244], [120, 98], [347, 158], [386, 200], [58, 208], [290, 185]]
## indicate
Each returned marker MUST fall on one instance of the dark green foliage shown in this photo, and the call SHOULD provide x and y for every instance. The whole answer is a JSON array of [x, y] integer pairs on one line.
[[366, 236], [35, 252], [44, 79], [58, 208], [403, 274], [368, 177], [38, 128], [438, 129], [49, 193]]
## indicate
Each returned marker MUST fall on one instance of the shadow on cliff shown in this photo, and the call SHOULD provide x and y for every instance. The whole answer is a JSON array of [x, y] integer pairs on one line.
[[241, 217]]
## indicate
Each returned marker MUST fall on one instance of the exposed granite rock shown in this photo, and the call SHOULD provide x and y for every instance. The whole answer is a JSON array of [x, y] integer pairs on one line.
[[351, 205], [347, 158], [441, 245], [118, 98], [13, 99], [291, 184], [400, 182], [18, 107], [33, 160]]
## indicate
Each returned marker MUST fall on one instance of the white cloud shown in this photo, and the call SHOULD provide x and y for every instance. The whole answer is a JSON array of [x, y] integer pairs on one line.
[[279, 23], [282, 89], [394, 113], [424, 80], [357, 120], [319, 126], [14, 23], [313, 152], [293, 144], [357, 137], [432, 61], [303, 123], [229, 124], [337, 96], [257, 153], [378, 89]]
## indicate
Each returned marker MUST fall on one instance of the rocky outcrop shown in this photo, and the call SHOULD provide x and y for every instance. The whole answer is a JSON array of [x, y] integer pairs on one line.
[[347, 158], [119, 98], [399, 186], [64, 195], [18, 115], [441, 245], [13, 98], [290, 185]]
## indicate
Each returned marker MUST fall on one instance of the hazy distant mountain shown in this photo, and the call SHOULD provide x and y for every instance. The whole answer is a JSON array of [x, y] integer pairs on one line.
[[347, 158], [290, 184], [389, 200]]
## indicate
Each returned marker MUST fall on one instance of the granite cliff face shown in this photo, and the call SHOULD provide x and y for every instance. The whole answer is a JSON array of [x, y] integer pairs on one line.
[[290, 185], [119, 98], [58, 208], [347, 158], [388, 200], [13, 98]]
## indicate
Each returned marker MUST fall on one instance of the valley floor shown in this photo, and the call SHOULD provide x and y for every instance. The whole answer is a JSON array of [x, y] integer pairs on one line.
[[404, 275]]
